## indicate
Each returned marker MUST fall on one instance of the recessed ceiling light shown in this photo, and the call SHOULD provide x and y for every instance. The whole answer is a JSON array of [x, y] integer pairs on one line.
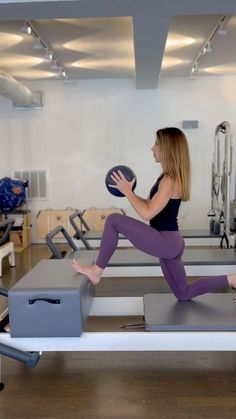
[[176, 41], [170, 62]]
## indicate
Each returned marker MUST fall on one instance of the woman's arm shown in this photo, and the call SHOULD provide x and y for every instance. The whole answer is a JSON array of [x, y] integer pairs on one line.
[[147, 209], [142, 199]]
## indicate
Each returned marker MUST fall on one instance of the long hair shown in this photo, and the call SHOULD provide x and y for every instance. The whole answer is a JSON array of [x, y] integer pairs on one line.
[[175, 158]]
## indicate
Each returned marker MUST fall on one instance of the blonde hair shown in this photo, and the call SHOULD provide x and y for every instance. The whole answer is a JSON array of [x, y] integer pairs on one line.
[[175, 158]]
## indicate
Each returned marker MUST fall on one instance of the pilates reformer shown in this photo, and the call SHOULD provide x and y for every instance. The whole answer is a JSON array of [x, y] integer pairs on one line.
[[89, 239], [49, 307], [134, 263]]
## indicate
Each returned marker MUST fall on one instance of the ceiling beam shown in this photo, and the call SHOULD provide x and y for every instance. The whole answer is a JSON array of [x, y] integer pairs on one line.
[[42, 9], [150, 33], [201, 7], [39, 9], [36, 9]]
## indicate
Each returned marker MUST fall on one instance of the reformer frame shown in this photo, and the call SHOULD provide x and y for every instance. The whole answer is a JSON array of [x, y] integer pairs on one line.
[[134, 263], [127, 341], [222, 210], [89, 239], [28, 350]]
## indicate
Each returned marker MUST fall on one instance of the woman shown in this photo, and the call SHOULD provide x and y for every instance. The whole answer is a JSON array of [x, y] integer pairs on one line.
[[161, 238]]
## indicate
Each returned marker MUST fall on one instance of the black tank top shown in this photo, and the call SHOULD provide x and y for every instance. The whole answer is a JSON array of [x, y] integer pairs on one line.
[[166, 219]]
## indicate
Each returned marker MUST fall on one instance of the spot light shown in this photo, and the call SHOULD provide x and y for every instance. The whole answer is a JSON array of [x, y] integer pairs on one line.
[[208, 47], [48, 54], [195, 68], [221, 30], [26, 28]]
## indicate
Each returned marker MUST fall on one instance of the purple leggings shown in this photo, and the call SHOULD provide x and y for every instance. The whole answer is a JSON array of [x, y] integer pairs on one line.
[[168, 246]]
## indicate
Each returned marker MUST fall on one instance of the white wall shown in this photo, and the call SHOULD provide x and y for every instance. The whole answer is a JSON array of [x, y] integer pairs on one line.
[[88, 126]]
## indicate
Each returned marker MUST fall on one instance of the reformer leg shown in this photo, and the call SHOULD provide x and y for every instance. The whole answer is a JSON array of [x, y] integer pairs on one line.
[[28, 358], [1, 384], [11, 257], [7, 250]]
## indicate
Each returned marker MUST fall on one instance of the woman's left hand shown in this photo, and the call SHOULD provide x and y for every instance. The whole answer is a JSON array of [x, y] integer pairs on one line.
[[121, 183]]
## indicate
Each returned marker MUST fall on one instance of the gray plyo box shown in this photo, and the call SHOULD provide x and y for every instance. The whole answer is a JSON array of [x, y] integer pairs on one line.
[[209, 312], [50, 301]]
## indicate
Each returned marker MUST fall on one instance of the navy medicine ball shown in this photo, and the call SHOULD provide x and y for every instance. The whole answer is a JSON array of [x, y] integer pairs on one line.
[[12, 194], [127, 172]]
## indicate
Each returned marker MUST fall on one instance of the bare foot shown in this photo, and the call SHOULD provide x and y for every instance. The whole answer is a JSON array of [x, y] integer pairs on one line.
[[232, 281], [93, 272]]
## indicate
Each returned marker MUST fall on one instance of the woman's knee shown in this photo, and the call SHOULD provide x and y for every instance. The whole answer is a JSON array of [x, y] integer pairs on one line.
[[113, 218], [182, 295]]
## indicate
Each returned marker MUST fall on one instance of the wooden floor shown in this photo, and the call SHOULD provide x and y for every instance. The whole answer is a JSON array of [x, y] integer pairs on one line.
[[150, 385]]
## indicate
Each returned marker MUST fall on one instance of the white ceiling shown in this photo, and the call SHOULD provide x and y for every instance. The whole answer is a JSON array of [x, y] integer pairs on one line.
[[138, 39]]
